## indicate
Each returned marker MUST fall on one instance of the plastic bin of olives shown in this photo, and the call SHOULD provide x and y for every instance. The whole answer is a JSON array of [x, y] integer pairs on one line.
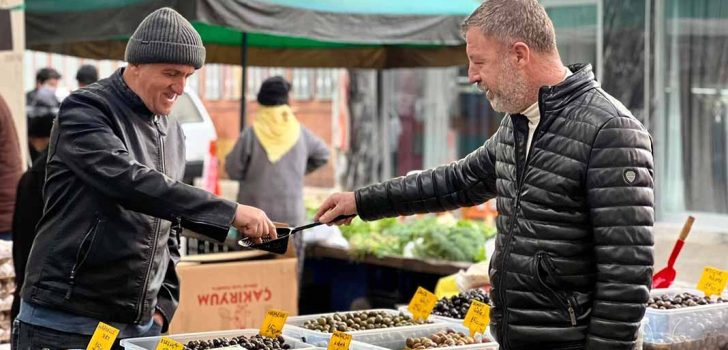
[[453, 309], [432, 336], [360, 321], [685, 319], [240, 339], [317, 329]]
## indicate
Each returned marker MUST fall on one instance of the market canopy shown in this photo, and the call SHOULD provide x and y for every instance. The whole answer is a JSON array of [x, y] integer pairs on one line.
[[286, 33]]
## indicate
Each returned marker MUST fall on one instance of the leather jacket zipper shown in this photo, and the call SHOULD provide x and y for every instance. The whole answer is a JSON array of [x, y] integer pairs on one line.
[[81, 255], [514, 218], [564, 302], [157, 226]]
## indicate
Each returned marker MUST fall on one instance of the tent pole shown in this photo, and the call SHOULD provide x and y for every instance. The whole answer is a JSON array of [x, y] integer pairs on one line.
[[244, 79]]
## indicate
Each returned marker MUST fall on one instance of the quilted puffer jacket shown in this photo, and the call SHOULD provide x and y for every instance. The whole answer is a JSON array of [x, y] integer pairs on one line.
[[574, 250]]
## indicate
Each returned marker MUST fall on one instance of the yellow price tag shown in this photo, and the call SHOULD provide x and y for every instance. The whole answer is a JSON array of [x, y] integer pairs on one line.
[[169, 344], [422, 304], [477, 318], [273, 323], [713, 281], [339, 341], [446, 287], [103, 338]]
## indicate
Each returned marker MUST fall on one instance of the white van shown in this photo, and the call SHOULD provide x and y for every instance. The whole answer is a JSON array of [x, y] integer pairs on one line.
[[199, 132]]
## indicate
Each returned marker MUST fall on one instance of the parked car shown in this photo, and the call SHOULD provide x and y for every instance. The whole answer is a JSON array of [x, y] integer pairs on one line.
[[199, 132]]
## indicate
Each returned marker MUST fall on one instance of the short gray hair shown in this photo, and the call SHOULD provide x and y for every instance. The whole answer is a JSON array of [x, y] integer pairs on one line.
[[510, 21]]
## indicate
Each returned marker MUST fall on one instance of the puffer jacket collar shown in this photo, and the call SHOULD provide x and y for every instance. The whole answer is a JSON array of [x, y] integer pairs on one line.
[[557, 96]]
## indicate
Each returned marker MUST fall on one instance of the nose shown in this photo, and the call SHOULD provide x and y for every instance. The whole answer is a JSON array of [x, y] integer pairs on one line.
[[473, 75], [179, 86]]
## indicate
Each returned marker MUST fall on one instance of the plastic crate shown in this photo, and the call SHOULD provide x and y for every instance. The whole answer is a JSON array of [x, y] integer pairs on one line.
[[355, 345], [435, 318], [150, 343], [294, 328], [396, 338], [689, 327]]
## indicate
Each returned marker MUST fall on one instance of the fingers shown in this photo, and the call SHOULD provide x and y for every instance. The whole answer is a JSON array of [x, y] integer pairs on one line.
[[271, 229], [254, 223], [330, 215], [343, 221], [328, 204]]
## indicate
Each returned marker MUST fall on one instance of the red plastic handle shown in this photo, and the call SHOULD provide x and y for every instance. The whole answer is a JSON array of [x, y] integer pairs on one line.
[[675, 251]]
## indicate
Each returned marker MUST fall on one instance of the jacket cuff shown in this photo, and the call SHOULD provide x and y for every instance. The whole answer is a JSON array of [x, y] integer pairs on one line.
[[167, 313], [372, 202]]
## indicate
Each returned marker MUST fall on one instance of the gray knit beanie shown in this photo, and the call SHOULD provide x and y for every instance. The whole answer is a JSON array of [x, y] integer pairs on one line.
[[165, 37]]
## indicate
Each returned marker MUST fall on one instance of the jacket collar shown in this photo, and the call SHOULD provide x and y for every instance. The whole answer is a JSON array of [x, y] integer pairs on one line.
[[557, 96], [130, 97]]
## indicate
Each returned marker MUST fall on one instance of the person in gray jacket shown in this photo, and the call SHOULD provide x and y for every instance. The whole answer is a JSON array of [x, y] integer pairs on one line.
[[271, 158], [572, 171]]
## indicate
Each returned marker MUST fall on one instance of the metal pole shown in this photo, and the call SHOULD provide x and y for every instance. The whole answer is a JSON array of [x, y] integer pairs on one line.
[[600, 41], [244, 79]]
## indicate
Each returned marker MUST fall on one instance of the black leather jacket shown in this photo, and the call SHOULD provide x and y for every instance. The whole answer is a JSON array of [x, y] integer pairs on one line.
[[573, 261], [107, 243]]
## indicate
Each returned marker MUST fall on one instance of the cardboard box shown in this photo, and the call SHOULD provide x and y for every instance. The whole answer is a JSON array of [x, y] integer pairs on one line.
[[219, 295]]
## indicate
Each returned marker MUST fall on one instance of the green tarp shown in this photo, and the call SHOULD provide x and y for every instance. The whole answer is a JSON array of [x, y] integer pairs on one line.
[[287, 33]]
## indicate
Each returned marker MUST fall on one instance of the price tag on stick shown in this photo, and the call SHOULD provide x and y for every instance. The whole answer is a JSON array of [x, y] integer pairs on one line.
[[713, 281], [422, 304], [273, 323], [103, 338], [339, 341], [169, 344], [477, 318]]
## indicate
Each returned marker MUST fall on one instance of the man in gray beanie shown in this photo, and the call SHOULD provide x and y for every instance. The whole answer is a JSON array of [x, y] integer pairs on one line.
[[107, 242]]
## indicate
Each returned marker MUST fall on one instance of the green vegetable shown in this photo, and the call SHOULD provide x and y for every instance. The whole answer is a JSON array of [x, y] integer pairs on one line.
[[427, 238]]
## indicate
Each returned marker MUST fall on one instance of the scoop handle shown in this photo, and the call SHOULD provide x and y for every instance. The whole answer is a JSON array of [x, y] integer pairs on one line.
[[686, 228], [681, 240]]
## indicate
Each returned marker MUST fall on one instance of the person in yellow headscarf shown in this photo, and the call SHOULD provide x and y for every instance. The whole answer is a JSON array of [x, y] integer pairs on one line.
[[271, 158]]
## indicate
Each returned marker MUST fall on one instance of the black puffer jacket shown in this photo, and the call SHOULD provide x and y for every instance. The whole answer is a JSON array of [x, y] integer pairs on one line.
[[573, 262], [106, 247]]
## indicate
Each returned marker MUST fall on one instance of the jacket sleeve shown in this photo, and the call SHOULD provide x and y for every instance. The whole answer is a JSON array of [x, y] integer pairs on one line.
[[620, 195], [168, 297], [86, 143], [235, 162], [467, 182], [318, 152]]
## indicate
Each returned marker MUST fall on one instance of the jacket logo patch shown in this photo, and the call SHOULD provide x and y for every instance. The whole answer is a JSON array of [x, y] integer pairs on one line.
[[629, 176]]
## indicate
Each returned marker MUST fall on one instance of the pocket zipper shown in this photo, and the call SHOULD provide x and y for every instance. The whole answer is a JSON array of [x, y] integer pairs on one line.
[[565, 302], [81, 259]]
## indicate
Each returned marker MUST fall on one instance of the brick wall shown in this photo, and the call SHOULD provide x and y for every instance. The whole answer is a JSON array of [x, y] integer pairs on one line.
[[315, 115]]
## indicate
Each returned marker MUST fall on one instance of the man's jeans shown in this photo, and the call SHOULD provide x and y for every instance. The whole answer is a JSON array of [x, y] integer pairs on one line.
[[30, 337]]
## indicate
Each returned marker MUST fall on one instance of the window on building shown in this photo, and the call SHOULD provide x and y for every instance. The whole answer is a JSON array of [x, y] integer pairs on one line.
[[302, 84], [691, 131]]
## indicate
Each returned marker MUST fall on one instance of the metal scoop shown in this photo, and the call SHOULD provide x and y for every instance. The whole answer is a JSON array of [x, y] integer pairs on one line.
[[280, 244]]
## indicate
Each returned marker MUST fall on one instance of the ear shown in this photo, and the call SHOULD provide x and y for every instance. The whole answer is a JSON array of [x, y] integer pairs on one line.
[[133, 68], [522, 53]]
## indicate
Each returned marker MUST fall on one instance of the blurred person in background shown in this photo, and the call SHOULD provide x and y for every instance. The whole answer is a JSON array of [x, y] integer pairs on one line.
[[45, 78], [271, 159], [86, 75], [11, 168], [29, 200], [40, 112]]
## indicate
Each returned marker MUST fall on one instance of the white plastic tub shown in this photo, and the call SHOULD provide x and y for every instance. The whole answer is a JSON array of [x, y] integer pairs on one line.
[[150, 343], [687, 326], [396, 338], [294, 328], [435, 318]]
